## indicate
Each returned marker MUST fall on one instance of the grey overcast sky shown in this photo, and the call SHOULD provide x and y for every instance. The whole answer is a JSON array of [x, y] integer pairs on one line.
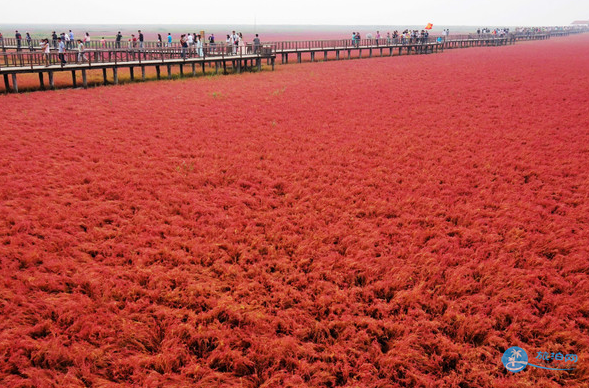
[[331, 12]]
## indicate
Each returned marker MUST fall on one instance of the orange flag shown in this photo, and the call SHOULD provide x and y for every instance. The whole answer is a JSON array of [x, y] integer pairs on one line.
[[429, 26]]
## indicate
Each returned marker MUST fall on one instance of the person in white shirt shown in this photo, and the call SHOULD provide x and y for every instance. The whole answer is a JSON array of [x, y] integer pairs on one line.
[[190, 41], [199, 49], [234, 42], [46, 50], [81, 53]]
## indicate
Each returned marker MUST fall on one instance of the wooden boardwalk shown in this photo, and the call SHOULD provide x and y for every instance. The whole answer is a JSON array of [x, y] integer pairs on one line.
[[12, 64], [221, 56]]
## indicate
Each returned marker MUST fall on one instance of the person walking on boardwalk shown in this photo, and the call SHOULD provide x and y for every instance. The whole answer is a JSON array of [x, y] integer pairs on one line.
[[61, 51], [183, 45], [257, 45], [212, 42], [234, 42], [46, 51], [54, 39], [141, 44], [118, 40], [159, 40], [72, 41], [66, 39], [241, 44], [81, 52], [18, 37], [190, 42], [87, 39], [29, 41], [199, 46], [169, 44]]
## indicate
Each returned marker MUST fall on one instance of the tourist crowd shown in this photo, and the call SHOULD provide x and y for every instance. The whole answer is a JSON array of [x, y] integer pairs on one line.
[[189, 43]]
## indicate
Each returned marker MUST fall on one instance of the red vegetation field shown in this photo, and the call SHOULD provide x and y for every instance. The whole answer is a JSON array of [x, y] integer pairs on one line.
[[389, 222]]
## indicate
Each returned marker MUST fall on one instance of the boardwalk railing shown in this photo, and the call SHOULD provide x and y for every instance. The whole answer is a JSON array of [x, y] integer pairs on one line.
[[35, 44]]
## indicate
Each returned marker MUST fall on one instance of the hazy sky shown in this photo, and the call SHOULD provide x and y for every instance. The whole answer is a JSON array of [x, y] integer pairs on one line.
[[341, 12]]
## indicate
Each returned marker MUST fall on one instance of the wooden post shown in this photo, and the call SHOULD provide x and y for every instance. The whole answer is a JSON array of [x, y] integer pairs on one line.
[[349, 54], [41, 82], [239, 66], [193, 69], [216, 67], [203, 67], [360, 53], [169, 71], [299, 58], [74, 79], [325, 55], [272, 63], [157, 71], [51, 81], [104, 75], [6, 83], [14, 83], [370, 55], [312, 56], [84, 79], [259, 64], [132, 73], [181, 70], [337, 54], [143, 73], [115, 74]]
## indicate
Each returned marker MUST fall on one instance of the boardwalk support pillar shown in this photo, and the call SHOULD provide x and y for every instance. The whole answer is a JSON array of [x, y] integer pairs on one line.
[[132, 73], [104, 75], [325, 55], [41, 81], [203, 68], [14, 83], [181, 70], [6, 83], [169, 71], [158, 72], [143, 73], [84, 79], [115, 75], [51, 81], [312, 56], [299, 57], [74, 79]]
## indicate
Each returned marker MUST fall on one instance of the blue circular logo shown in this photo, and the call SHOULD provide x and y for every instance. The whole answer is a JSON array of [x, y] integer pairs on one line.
[[515, 359]]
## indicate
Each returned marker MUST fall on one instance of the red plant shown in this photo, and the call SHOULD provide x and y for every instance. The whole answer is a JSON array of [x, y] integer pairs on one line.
[[384, 222]]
